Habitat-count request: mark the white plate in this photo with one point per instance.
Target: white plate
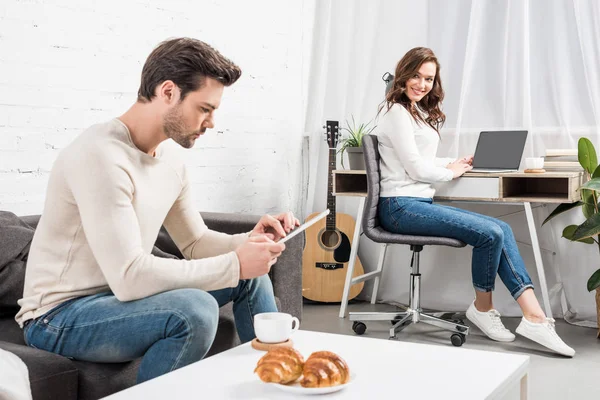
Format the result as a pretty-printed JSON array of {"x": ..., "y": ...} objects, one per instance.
[{"x": 298, "y": 389}]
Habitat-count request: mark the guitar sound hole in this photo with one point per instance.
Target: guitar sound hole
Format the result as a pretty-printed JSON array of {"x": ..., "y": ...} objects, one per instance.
[{"x": 330, "y": 239}]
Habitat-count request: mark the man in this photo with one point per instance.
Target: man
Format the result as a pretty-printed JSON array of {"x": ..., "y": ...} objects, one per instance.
[{"x": 93, "y": 291}]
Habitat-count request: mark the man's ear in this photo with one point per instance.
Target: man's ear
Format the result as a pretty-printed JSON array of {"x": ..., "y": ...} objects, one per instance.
[{"x": 168, "y": 92}]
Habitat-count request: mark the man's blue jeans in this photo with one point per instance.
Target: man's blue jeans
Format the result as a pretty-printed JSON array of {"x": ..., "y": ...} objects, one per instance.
[
  {"x": 169, "y": 330},
  {"x": 495, "y": 250}
]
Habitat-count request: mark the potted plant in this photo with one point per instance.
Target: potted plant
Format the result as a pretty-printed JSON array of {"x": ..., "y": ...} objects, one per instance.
[
  {"x": 352, "y": 144},
  {"x": 589, "y": 231}
]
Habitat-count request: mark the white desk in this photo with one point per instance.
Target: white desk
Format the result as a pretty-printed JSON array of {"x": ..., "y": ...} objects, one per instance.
[
  {"x": 502, "y": 188},
  {"x": 380, "y": 368}
]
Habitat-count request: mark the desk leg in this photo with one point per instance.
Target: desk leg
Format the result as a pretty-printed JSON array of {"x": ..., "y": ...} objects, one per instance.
[
  {"x": 524, "y": 387},
  {"x": 537, "y": 254},
  {"x": 353, "y": 255}
]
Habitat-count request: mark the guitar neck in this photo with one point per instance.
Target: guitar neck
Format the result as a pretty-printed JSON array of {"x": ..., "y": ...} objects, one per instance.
[{"x": 330, "y": 223}]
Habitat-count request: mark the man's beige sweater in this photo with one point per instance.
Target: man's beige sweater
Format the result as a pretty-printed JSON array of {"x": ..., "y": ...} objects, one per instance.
[{"x": 105, "y": 204}]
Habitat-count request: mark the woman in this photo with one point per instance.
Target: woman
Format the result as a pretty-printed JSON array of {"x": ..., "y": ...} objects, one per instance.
[{"x": 408, "y": 130}]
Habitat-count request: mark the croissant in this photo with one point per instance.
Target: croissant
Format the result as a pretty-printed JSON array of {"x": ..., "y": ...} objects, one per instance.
[
  {"x": 280, "y": 365},
  {"x": 324, "y": 368}
]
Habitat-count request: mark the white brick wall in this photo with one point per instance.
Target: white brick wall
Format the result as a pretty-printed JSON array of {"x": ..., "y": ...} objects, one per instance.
[{"x": 66, "y": 64}]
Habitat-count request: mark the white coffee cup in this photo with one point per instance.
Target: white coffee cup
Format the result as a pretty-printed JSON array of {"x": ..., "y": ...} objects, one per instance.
[
  {"x": 534, "y": 162},
  {"x": 275, "y": 327}
]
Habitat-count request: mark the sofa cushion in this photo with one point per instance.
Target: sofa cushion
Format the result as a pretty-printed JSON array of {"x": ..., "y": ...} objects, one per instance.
[
  {"x": 52, "y": 377},
  {"x": 15, "y": 239},
  {"x": 93, "y": 380},
  {"x": 97, "y": 380},
  {"x": 10, "y": 331}
]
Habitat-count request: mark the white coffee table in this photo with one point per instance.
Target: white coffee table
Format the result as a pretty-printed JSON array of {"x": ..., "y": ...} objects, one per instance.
[{"x": 380, "y": 368}]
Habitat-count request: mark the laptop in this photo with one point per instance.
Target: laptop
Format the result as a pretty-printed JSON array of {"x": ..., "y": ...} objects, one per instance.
[{"x": 499, "y": 151}]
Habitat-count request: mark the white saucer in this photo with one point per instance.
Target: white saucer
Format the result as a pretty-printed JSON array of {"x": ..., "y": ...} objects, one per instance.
[{"x": 298, "y": 389}]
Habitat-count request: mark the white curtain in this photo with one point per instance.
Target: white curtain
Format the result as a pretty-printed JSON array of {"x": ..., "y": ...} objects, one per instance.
[
  {"x": 506, "y": 64},
  {"x": 346, "y": 63}
]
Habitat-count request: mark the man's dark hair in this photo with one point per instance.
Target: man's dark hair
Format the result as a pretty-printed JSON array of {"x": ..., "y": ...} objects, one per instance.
[{"x": 187, "y": 62}]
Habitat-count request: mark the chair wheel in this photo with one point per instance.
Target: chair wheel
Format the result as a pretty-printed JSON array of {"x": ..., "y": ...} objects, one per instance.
[
  {"x": 359, "y": 327},
  {"x": 458, "y": 339}
]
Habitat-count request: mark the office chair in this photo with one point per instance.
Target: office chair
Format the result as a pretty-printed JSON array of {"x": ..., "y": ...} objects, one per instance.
[
  {"x": 372, "y": 229},
  {"x": 389, "y": 81}
]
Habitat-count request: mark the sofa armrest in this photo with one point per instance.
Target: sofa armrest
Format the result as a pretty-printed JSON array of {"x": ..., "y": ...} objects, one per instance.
[{"x": 286, "y": 274}]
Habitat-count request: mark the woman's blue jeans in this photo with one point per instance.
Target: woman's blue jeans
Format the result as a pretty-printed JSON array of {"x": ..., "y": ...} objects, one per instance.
[
  {"x": 169, "y": 330},
  {"x": 495, "y": 250}
]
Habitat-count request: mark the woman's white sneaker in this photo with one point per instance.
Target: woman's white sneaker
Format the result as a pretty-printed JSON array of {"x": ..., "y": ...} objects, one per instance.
[
  {"x": 490, "y": 323},
  {"x": 545, "y": 334}
]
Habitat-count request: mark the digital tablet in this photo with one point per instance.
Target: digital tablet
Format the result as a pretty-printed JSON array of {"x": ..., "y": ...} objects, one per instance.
[{"x": 304, "y": 226}]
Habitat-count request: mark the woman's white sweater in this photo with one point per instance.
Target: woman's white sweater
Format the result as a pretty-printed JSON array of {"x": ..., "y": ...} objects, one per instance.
[{"x": 408, "y": 150}]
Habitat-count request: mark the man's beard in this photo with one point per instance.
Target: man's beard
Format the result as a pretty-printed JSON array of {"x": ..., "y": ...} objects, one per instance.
[{"x": 176, "y": 129}]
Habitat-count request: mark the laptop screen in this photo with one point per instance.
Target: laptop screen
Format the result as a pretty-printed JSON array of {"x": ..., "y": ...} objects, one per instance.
[{"x": 499, "y": 149}]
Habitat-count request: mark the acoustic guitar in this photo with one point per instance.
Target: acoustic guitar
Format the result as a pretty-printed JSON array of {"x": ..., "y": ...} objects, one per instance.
[{"x": 327, "y": 252}]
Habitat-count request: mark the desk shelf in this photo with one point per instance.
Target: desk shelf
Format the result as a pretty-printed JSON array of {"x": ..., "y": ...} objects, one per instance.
[
  {"x": 545, "y": 189},
  {"x": 350, "y": 182}
]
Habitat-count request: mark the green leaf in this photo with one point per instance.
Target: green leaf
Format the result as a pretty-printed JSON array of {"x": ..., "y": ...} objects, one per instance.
[
  {"x": 570, "y": 230},
  {"x": 356, "y": 132},
  {"x": 561, "y": 209},
  {"x": 587, "y": 196},
  {"x": 596, "y": 173},
  {"x": 594, "y": 282},
  {"x": 588, "y": 210},
  {"x": 591, "y": 227},
  {"x": 592, "y": 184},
  {"x": 589, "y": 206},
  {"x": 586, "y": 154}
]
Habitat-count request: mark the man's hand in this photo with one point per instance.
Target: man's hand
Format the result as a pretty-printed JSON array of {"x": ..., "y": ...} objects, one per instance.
[
  {"x": 275, "y": 226},
  {"x": 257, "y": 254}
]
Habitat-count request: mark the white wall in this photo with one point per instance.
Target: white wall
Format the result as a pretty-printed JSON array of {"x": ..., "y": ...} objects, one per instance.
[{"x": 65, "y": 65}]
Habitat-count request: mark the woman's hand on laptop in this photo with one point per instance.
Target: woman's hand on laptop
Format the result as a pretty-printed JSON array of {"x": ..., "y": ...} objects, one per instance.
[
  {"x": 467, "y": 160},
  {"x": 459, "y": 167}
]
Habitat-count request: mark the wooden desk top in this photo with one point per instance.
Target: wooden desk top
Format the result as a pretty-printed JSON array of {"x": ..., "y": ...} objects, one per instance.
[
  {"x": 521, "y": 174},
  {"x": 507, "y": 187},
  {"x": 518, "y": 174}
]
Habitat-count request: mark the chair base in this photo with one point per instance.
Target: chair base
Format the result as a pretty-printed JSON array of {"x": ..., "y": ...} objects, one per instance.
[
  {"x": 414, "y": 313},
  {"x": 402, "y": 319}
]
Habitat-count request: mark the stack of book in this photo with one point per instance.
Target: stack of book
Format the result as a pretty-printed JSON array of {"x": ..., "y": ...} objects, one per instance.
[{"x": 561, "y": 160}]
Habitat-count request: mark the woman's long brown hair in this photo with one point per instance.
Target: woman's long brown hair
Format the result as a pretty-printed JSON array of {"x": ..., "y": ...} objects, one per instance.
[{"x": 408, "y": 67}]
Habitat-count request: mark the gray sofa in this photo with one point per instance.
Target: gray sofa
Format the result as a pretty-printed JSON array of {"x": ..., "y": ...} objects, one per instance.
[{"x": 56, "y": 377}]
